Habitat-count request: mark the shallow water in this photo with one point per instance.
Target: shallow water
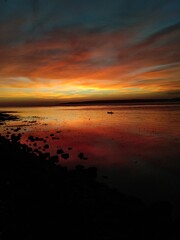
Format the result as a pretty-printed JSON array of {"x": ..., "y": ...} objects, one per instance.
[{"x": 137, "y": 147}]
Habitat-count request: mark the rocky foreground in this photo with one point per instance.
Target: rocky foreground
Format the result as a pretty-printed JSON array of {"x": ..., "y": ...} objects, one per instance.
[{"x": 42, "y": 200}]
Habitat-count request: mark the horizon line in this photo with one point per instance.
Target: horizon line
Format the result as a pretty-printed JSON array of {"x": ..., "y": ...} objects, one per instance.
[{"x": 90, "y": 102}]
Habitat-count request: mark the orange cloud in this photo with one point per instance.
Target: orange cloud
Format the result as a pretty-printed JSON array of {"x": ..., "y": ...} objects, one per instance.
[{"x": 73, "y": 64}]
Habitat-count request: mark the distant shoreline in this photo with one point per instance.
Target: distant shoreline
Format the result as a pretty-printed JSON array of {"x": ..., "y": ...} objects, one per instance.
[{"x": 95, "y": 103}]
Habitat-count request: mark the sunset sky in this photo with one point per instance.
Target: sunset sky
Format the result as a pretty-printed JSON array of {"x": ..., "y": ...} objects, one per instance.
[{"x": 77, "y": 50}]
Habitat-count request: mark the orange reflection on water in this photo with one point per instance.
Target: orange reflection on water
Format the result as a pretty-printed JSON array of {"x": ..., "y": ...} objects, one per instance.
[
  {"x": 132, "y": 132},
  {"x": 137, "y": 146}
]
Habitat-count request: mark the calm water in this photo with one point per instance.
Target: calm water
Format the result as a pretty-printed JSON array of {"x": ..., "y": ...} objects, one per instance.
[{"x": 137, "y": 147}]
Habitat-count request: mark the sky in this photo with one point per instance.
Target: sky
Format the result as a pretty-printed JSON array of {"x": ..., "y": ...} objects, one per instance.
[{"x": 79, "y": 50}]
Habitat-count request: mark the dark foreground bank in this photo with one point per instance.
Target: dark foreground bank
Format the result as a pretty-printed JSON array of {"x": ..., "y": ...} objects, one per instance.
[{"x": 42, "y": 200}]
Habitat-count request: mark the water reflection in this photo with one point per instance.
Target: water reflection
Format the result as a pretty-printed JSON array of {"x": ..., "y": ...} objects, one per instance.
[{"x": 137, "y": 147}]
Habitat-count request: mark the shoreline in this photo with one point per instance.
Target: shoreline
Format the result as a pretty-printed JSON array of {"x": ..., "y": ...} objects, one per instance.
[
  {"x": 94, "y": 103},
  {"x": 39, "y": 196}
]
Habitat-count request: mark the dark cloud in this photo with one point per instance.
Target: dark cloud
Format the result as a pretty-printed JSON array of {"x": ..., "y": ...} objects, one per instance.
[
  {"x": 40, "y": 17},
  {"x": 35, "y": 4},
  {"x": 163, "y": 33}
]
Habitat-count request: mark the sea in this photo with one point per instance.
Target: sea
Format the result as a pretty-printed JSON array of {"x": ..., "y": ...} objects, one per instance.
[{"x": 136, "y": 148}]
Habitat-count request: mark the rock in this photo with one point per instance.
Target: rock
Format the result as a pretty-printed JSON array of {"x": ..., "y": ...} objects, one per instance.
[
  {"x": 60, "y": 151},
  {"x": 46, "y": 146},
  {"x": 81, "y": 155},
  {"x": 65, "y": 155}
]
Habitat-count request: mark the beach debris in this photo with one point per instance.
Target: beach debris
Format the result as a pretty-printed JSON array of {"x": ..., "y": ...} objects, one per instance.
[{"x": 110, "y": 112}]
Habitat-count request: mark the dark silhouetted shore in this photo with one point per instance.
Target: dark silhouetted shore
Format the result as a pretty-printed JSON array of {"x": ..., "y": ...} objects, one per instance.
[{"x": 40, "y": 199}]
